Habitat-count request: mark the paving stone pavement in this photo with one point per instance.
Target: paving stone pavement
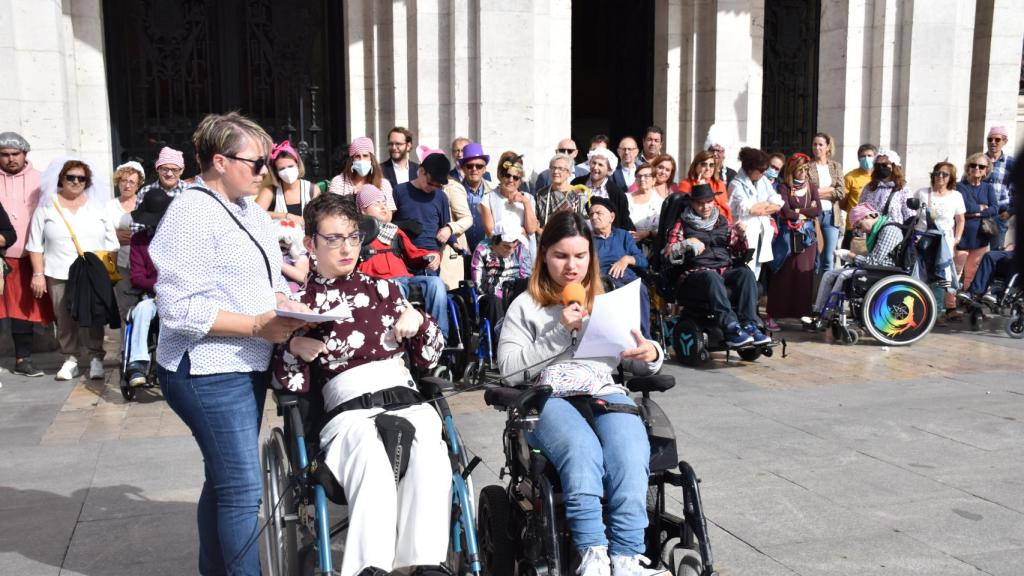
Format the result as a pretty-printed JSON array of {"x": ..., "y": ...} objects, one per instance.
[{"x": 832, "y": 461}]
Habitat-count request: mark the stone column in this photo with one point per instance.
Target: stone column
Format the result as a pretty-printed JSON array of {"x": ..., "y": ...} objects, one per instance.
[
  {"x": 896, "y": 74},
  {"x": 708, "y": 70},
  {"x": 498, "y": 73},
  {"x": 55, "y": 81},
  {"x": 995, "y": 76}
]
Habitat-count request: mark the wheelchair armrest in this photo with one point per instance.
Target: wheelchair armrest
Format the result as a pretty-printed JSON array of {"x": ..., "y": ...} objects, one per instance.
[
  {"x": 885, "y": 269},
  {"x": 286, "y": 399},
  {"x": 432, "y": 387},
  {"x": 653, "y": 383},
  {"x": 522, "y": 399}
]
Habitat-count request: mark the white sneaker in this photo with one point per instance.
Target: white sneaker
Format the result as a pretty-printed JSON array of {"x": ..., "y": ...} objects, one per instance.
[
  {"x": 594, "y": 562},
  {"x": 96, "y": 371},
  {"x": 68, "y": 370},
  {"x": 631, "y": 566}
]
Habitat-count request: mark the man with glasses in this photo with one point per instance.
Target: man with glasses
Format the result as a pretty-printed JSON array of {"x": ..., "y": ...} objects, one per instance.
[
  {"x": 565, "y": 146},
  {"x": 999, "y": 178},
  {"x": 399, "y": 169},
  {"x": 625, "y": 174},
  {"x": 854, "y": 181},
  {"x": 19, "y": 195},
  {"x": 474, "y": 169},
  {"x": 169, "y": 166}
]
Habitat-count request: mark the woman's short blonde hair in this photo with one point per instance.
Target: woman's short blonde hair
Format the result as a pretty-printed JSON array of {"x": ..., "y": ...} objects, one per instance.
[
  {"x": 126, "y": 171},
  {"x": 227, "y": 134}
]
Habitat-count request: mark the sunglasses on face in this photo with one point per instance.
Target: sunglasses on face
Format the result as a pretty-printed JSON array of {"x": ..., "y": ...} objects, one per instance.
[
  {"x": 996, "y": 139},
  {"x": 75, "y": 179},
  {"x": 710, "y": 164},
  {"x": 978, "y": 166},
  {"x": 566, "y": 150},
  {"x": 257, "y": 163},
  {"x": 474, "y": 166},
  {"x": 334, "y": 240},
  {"x": 513, "y": 177},
  {"x": 940, "y": 174}
]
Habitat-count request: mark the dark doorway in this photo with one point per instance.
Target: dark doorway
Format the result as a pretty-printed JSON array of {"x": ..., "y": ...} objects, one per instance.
[
  {"x": 170, "y": 62},
  {"x": 789, "y": 107},
  {"x": 612, "y": 69}
]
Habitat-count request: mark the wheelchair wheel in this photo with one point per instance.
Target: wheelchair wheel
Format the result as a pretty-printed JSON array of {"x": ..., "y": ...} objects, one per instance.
[
  {"x": 899, "y": 310},
  {"x": 1015, "y": 325},
  {"x": 688, "y": 343},
  {"x": 443, "y": 372},
  {"x": 497, "y": 550},
  {"x": 127, "y": 391},
  {"x": 750, "y": 354},
  {"x": 846, "y": 335},
  {"x": 684, "y": 561},
  {"x": 279, "y": 502}
]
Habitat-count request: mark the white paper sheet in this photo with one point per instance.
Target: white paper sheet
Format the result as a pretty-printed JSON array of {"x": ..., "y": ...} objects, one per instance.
[
  {"x": 338, "y": 314},
  {"x": 607, "y": 332}
]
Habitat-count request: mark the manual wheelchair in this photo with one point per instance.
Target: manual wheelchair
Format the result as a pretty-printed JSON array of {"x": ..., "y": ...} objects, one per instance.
[
  {"x": 297, "y": 486},
  {"x": 1006, "y": 297},
  {"x": 889, "y": 302},
  {"x": 522, "y": 526},
  {"x": 127, "y": 389}
]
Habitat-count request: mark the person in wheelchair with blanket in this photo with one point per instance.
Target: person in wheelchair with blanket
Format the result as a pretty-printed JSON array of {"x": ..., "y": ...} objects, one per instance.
[
  {"x": 356, "y": 363},
  {"x": 588, "y": 428},
  {"x": 702, "y": 246},
  {"x": 883, "y": 239}
]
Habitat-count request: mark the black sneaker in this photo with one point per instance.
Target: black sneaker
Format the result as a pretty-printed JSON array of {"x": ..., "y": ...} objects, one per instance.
[
  {"x": 136, "y": 373},
  {"x": 26, "y": 368}
]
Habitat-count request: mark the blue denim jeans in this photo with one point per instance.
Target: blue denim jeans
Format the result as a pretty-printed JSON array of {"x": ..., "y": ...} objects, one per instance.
[
  {"x": 435, "y": 294},
  {"x": 142, "y": 317},
  {"x": 830, "y": 235},
  {"x": 616, "y": 464},
  {"x": 223, "y": 411}
]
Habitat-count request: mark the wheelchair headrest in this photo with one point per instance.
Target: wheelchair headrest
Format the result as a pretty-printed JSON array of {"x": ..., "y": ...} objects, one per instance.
[
  {"x": 369, "y": 226},
  {"x": 914, "y": 203}
]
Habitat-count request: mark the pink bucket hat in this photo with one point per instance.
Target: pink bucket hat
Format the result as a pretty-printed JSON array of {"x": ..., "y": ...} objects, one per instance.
[
  {"x": 860, "y": 212},
  {"x": 360, "y": 145},
  {"x": 368, "y": 194},
  {"x": 170, "y": 156}
]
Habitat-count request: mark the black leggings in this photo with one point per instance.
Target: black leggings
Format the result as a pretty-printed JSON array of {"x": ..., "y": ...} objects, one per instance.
[{"x": 21, "y": 332}]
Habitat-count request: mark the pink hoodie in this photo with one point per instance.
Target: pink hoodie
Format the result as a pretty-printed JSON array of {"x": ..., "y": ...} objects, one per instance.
[{"x": 19, "y": 195}]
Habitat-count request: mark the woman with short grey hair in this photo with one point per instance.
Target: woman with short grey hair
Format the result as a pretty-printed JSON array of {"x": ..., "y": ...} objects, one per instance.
[
  {"x": 560, "y": 194},
  {"x": 218, "y": 284}
]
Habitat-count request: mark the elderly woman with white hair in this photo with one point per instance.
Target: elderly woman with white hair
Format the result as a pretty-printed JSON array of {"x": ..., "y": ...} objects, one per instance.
[
  {"x": 602, "y": 163},
  {"x": 71, "y": 219}
]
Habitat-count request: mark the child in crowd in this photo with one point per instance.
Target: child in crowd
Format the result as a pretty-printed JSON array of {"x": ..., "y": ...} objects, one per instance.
[
  {"x": 360, "y": 372},
  {"x": 391, "y": 254}
]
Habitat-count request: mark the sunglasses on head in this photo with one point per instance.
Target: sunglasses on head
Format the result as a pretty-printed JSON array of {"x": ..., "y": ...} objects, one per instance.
[
  {"x": 257, "y": 163},
  {"x": 73, "y": 178}
]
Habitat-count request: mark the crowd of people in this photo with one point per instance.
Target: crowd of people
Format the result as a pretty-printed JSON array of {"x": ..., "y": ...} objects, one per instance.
[{"x": 199, "y": 248}]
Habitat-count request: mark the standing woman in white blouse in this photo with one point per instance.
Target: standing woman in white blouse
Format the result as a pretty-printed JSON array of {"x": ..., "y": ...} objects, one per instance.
[
  {"x": 827, "y": 176},
  {"x": 218, "y": 283},
  {"x": 70, "y": 208}
]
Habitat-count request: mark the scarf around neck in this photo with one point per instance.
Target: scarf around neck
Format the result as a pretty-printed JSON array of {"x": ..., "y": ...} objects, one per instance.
[
  {"x": 696, "y": 221},
  {"x": 873, "y": 235}
]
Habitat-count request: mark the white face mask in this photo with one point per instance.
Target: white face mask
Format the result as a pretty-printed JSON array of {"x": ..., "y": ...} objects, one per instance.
[
  {"x": 362, "y": 167},
  {"x": 288, "y": 175}
]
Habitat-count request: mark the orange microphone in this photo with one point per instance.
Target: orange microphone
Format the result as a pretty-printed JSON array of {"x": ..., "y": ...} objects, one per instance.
[{"x": 574, "y": 293}]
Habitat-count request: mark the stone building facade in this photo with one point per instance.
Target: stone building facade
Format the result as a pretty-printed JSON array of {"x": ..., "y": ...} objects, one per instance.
[{"x": 925, "y": 77}]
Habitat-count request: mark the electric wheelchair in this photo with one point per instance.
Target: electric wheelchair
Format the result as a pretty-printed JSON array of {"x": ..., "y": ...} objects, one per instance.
[
  {"x": 1005, "y": 298},
  {"x": 522, "y": 526},
  {"x": 124, "y": 377},
  {"x": 891, "y": 303},
  {"x": 695, "y": 332},
  {"x": 298, "y": 486}
]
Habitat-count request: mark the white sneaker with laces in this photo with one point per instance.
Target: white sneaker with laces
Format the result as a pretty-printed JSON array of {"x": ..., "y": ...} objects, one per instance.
[
  {"x": 634, "y": 566},
  {"x": 68, "y": 370},
  {"x": 96, "y": 371},
  {"x": 594, "y": 562}
]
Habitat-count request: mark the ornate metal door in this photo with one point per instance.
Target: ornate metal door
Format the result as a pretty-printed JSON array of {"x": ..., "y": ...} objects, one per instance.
[
  {"x": 170, "y": 62},
  {"x": 789, "y": 105}
]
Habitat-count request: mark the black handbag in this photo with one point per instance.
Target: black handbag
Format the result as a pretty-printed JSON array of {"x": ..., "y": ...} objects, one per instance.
[{"x": 989, "y": 228}]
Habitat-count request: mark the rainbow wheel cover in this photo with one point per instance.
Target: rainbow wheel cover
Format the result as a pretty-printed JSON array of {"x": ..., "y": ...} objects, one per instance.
[{"x": 899, "y": 310}]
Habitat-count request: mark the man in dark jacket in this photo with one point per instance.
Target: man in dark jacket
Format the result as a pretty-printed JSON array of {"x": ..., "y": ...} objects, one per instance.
[
  {"x": 701, "y": 238},
  {"x": 399, "y": 169}
]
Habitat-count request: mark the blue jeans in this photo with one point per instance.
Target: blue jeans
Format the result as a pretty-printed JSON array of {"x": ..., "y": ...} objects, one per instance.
[
  {"x": 223, "y": 411},
  {"x": 830, "y": 235},
  {"x": 435, "y": 296},
  {"x": 987, "y": 269},
  {"x": 142, "y": 317},
  {"x": 617, "y": 464}
]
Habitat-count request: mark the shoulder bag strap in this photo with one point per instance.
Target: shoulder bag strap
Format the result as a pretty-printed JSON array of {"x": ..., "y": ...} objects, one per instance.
[
  {"x": 266, "y": 261},
  {"x": 68, "y": 224}
]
